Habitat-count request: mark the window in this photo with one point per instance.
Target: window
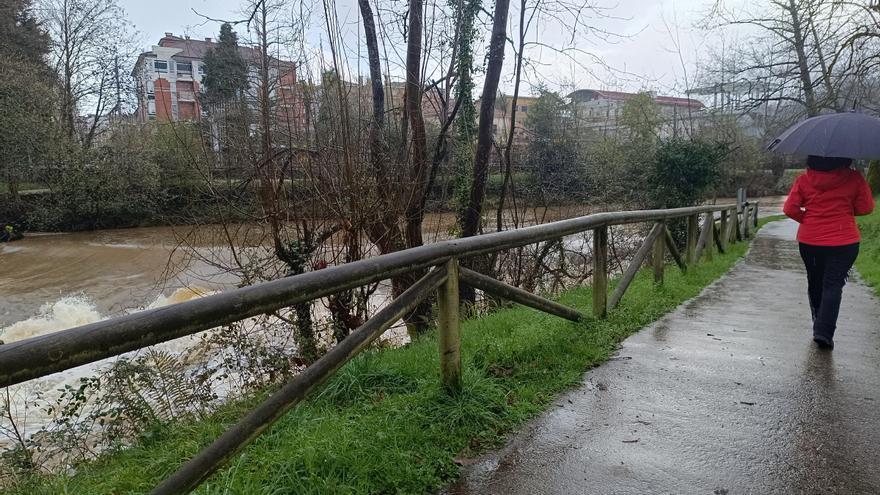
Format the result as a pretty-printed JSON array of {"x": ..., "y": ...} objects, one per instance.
[
  {"x": 151, "y": 107},
  {"x": 160, "y": 65},
  {"x": 151, "y": 87},
  {"x": 524, "y": 108},
  {"x": 185, "y": 67},
  {"x": 201, "y": 68}
]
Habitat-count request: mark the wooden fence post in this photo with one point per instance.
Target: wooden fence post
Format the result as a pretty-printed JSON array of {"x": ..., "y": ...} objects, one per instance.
[
  {"x": 693, "y": 235},
  {"x": 448, "y": 324},
  {"x": 746, "y": 220},
  {"x": 600, "y": 272},
  {"x": 734, "y": 225},
  {"x": 739, "y": 215},
  {"x": 709, "y": 223},
  {"x": 657, "y": 257},
  {"x": 723, "y": 235}
]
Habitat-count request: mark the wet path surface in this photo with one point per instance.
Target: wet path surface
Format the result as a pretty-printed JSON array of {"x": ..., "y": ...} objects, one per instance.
[{"x": 726, "y": 395}]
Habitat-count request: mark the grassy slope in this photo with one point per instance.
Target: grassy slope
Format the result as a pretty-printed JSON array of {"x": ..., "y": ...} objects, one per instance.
[
  {"x": 383, "y": 426},
  {"x": 868, "y": 263}
]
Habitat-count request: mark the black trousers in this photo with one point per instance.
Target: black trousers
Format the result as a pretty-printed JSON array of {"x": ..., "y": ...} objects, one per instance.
[{"x": 827, "y": 270}]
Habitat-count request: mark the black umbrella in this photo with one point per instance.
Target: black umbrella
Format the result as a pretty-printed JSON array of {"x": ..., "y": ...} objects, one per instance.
[{"x": 844, "y": 135}]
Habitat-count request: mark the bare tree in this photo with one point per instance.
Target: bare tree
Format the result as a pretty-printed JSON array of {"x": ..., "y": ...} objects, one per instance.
[
  {"x": 801, "y": 53},
  {"x": 89, "y": 39}
]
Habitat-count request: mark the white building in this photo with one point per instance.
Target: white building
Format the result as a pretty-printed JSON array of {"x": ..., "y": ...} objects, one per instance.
[{"x": 601, "y": 111}]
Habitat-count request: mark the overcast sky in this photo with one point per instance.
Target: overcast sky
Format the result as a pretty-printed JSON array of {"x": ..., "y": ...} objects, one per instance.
[{"x": 647, "y": 58}]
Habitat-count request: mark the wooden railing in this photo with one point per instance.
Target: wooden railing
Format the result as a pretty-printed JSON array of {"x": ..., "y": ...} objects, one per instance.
[{"x": 39, "y": 356}]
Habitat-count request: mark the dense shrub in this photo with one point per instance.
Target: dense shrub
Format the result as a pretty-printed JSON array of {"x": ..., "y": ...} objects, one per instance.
[
  {"x": 874, "y": 176},
  {"x": 684, "y": 172}
]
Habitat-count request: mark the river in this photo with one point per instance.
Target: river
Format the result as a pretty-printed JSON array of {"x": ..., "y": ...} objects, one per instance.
[{"x": 50, "y": 282}]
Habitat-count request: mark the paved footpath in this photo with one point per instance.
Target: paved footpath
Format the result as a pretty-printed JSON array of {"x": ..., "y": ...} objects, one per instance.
[{"x": 726, "y": 395}]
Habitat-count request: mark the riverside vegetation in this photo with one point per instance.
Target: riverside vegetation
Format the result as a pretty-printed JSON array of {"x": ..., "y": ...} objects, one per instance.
[
  {"x": 868, "y": 263},
  {"x": 383, "y": 423}
]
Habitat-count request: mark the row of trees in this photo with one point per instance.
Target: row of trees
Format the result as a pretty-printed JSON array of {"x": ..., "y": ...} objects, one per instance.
[{"x": 797, "y": 58}]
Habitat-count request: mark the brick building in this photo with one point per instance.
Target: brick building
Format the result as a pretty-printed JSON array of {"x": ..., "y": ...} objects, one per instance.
[{"x": 169, "y": 76}]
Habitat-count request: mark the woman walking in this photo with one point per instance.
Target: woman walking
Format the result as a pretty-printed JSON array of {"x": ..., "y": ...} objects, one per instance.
[{"x": 825, "y": 201}]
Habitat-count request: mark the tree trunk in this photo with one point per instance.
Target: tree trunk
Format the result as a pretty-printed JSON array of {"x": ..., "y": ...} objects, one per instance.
[
  {"x": 417, "y": 321},
  {"x": 517, "y": 77},
  {"x": 472, "y": 214},
  {"x": 802, "y": 62},
  {"x": 377, "y": 125}
]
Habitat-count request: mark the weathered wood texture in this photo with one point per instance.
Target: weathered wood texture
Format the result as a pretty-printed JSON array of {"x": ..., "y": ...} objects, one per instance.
[
  {"x": 635, "y": 266},
  {"x": 247, "y": 429},
  {"x": 693, "y": 235},
  {"x": 600, "y": 272},
  {"x": 709, "y": 225},
  {"x": 673, "y": 250},
  {"x": 448, "y": 324},
  {"x": 724, "y": 235},
  {"x": 716, "y": 234},
  {"x": 515, "y": 294},
  {"x": 702, "y": 242},
  {"x": 746, "y": 220},
  {"x": 658, "y": 256}
]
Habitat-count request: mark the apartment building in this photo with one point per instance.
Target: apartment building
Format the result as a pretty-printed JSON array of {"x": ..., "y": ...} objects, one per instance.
[
  {"x": 169, "y": 78},
  {"x": 601, "y": 110}
]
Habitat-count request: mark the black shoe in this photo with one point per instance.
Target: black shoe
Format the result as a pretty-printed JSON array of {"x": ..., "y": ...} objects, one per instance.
[{"x": 822, "y": 342}]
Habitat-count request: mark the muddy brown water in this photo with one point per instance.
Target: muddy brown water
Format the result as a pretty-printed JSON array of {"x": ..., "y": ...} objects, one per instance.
[{"x": 49, "y": 282}]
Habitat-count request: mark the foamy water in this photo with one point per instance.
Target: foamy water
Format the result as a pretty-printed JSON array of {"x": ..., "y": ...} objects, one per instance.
[
  {"x": 73, "y": 311},
  {"x": 67, "y": 312}
]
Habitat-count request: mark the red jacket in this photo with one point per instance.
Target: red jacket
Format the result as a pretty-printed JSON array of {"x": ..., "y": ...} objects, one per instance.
[{"x": 826, "y": 203}]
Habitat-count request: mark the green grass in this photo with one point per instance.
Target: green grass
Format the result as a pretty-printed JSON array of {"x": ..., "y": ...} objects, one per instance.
[
  {"x": 382, "y": 424},
  {"x": 868, "y": 262}
]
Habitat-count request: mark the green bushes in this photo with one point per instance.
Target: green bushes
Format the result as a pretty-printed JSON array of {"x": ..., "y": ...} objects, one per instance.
[
  {"x": 874, "y": 176},
  {"x": 868, "y": 263},
  {"x": 684, "y": 172}
]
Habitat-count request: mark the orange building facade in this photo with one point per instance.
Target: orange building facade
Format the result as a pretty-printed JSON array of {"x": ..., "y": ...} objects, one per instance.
[{"x": 169, "y": 78}]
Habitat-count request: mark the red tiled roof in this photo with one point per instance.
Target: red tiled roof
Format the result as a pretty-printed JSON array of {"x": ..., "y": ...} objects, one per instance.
[
  {"x": 197, "y": 49},
  {"x": 660, "y": 100},
  {"x": 674, "y": 100}
]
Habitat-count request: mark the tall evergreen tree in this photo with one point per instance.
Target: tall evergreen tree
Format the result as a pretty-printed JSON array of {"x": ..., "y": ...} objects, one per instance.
[
  {"x": 226, "y": 73},
  {"x": 20, "y": 32},
  {"x": 28, "y": 93}
]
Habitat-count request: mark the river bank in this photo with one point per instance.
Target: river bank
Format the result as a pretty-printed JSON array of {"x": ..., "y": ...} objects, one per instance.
[{"x": 382, "y": 424}]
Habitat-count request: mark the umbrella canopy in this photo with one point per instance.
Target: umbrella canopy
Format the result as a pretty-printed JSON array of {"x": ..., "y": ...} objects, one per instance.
[{"x": 844, "y": 135}]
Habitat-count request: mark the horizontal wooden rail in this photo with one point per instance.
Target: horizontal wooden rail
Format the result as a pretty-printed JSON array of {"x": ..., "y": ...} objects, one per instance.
[{"x": 39, "y": 356}]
